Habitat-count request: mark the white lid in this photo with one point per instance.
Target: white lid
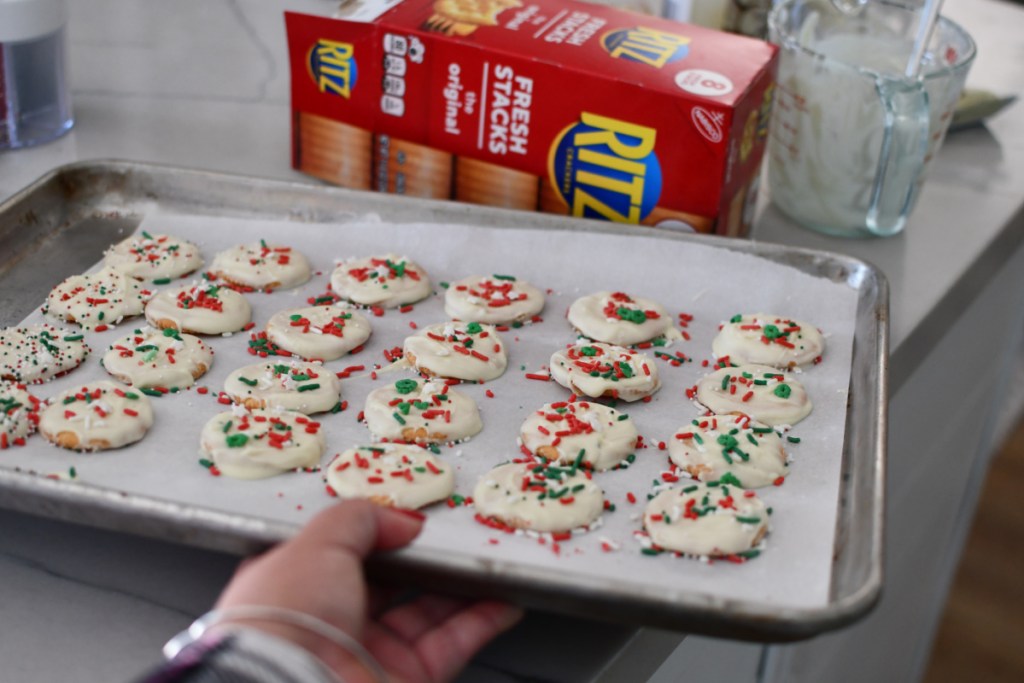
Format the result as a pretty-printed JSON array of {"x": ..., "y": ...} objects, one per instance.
[{"x": 30, "y": 19}]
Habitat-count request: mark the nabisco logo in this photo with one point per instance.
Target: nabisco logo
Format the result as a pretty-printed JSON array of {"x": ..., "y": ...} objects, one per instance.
[{"x": 708, "y": 123}]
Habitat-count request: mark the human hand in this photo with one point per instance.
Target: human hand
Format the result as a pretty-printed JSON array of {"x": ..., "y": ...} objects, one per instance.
[{"x": 320, "y": 572}]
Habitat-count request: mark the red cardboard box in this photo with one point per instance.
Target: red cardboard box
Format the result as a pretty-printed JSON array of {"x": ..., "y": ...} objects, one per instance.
[{"x": 548, "y": 105}]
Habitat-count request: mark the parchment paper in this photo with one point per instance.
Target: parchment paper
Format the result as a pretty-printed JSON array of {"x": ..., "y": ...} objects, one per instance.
[{"x": 710, "y": 283}]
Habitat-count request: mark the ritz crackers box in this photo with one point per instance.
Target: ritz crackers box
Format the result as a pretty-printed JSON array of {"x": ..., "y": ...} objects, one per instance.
[{"x": 548, "y": 105}]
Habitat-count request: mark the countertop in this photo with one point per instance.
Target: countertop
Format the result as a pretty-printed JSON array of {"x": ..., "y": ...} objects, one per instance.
[{"x": 204, "y": 84}]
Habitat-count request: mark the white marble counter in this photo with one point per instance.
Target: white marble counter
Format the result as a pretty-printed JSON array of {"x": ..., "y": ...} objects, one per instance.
[{"x": 204, "y": 84}]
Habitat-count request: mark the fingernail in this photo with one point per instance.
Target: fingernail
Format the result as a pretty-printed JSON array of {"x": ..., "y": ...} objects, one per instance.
[{"x": 415, "y": 514}]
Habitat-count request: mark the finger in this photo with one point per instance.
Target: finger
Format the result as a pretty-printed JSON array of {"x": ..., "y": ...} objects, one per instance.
[
  {"x": 359, "y": 527},
  {"x": 445, "y": 650},
  {"x": 411, "y": 620}
]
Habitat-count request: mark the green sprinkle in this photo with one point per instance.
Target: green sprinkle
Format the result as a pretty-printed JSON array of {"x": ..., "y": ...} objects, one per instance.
[
  {"x": 748, "y": 520},
  {"x": 398, "y": 418},
  {"x": 771, "y": 332},
  {"x": 727, "y": 441},
  {"x": 761, "y": 430},
  {"x": 473, "y": 328},
  {"x": 336, "y": 409},
  {"x": 74, "y": 337},
  {"x": 738, "y": 318},
  {"x": 308, "y": 387},
  {"x": 101, "y": 315},
  {"x": 131, "y": 396},
  {"x": 406, "y": 386},
  {"x": 504, "y": 277},
  {"x": 162, "y": 281},
  {"x": 588, "y": 350},
  {"x": 227, "y": 426},
  {"x": 404, "y": 408},
  {"x": 725, "y": 382},
  {"x": 295, "y": 318},
  {"x": 793, "y": 439},
  {"x": 237, "y": 440},
  {"x": 150, "y": 392},
  {"x": 650, "y": 551},
  {"x": 635, "y": 316},
  {"x": 751, "y": 439},
  {"x": 730, "y": 478},
  {"x": 302, "y": 377},
  {"x": 249, "y": 382},
  {"x": 782, "y": 391},
  {"x": 690, "y": 489},
  {"x": 444, "y": 285},
  {"x": 620, "y": 418},
  {"x": 172, "y": 333}
]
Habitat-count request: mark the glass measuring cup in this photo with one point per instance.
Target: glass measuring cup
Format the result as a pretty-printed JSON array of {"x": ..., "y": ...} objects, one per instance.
[{"x": 851, "y": 136}]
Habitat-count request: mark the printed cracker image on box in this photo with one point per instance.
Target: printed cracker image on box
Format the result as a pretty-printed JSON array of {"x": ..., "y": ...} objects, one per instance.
[
  {"x": 555, "y": 105},
  {"x": 403, "y": 167},
  {"x": 333, "y": 151}
]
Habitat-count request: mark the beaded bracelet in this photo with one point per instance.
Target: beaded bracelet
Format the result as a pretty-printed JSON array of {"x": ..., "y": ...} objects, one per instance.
[{"x": 305, "y": 621}]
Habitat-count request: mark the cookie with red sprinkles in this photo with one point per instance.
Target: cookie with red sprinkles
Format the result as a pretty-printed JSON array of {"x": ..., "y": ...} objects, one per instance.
[
  {"x": 421, "y": 411},
  {"x": 36, "y": 353},
  {"x": 397, "y": 475},
  {"x": 494, "y": 299},
  {"x": 579, "y": 433},
  {"x": 455, "y": 350},
  {"x": 157, "y": 258},
  {"x": 388, "y": 281},
  {"x": 619, "y": 318},
  {"x": 158, "y": 358},
  {"x": 764, "y": 393},
  {"x": 19, "y": 414},
  {"x": 763, "y": 339},
  {"x": 97, "y": 300},
  {"x": 538, "y": 497},
  {"x": 199, "y": 308},
  {"x": 261, "y": 443},
  {"x": 599, "y": 370},
  {"x": 318, "y": 332},
  {"x": 96, "y": 416},
  {"x": 710, "y": 446},
  {"x": 715, "y": 519},
  {"x": 261, "y": 266}
]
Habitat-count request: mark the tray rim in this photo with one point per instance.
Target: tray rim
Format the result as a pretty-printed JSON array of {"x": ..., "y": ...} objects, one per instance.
[{"x": 217, "y": 530}]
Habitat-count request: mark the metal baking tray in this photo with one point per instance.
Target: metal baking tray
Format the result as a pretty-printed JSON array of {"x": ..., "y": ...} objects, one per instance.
[{"x": 61, "y": 224}]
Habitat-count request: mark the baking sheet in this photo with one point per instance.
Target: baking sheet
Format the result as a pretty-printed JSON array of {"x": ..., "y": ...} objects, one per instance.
[{"x": 710, "y": 283}]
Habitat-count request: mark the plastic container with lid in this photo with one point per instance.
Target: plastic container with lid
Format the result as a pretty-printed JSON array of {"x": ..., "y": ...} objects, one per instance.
[{"x": 35, "y": 105}]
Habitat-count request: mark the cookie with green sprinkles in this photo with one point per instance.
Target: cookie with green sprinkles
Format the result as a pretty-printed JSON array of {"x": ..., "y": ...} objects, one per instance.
[
  {"x": 763, "y": 339},
  {"x": 158, "y": 258},
  {"x": 150, "y": 358},
  {"x": 395, "y": 475},
  {"x": 199, "y": 308},
  {"x": 261, "y": 443},
  {"x": 318, "y": 332},
  {"x": 19, "y": 414},
  {"x": 96, "y": 416},
  {"x": 711, "y": 446},
  {"x": 579, "y": 433},
  {"x": 618, "y": 318},
  {"x": 304, "y": 386},
  {"x": 765, "y": 394},
  {"x": 456, "y": 350},
  {"x": 710, "y": 519},
  {"x": 97, "y": 300},
  {"x": 494, "y": 299},
  {"x": 31, "y": 354},
  {"x": 538, "y": 497},
  {"x": 421, "y": 411},
  {"x": 261, "y": 266},
  {"x": 600, "y": 370},
  {"x": 388, "y": 281}
]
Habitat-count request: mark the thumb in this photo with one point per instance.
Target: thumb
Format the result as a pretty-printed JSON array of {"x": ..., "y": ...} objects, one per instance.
[{"x": 359, "y": 527}]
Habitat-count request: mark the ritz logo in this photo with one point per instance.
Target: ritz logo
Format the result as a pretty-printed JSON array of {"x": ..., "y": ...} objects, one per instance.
[
  {"x": 607, "y": 169},
  {"x": 333, "y": 67},
  {"x": 646, "y": 45}
]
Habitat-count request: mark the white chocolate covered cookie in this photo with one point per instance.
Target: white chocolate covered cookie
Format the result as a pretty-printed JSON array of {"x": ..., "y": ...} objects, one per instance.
[
  {"x": 493, "y": 299},
  {"x": 421, "y": 411},
  {"x": 579, "y": 432},
  {"x": 538, "y": 497},
  {"x": 389, "y": 281},
  {"x": 618, "y": 318},
  {"x": 153, "y": 257},
  {"x": 706, "y": 519},
  {"x": 398, "y": 475},
  {"x": 36, "y": 353},
  {"x": 199, "y": 308},
  {"x": 261, "y": 443},
  {"x": 605, "y": 370},
  {"x": 763, "y": 339},
  {"x": 19, "y": 414},
  {"x": 765, "y": 394},
  {"x": 318, "y": 332},
  {"x": 97, "y": 416},
  {"x": 158, "y": 358},
  {"x": 467, "y": 351},
  {"x": 97, "y": 300},
  {"x": 713, "y": 445},
  {"x": 303, "y": 386},
  {"x": 261, "y": 266}
]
